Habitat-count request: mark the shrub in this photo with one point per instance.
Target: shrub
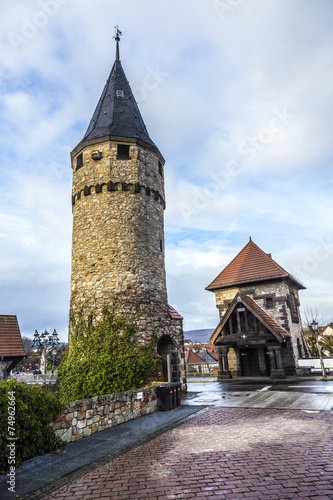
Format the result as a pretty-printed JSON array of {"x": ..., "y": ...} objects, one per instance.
[
  {"x": 104, "y": 358},
  {"x": 34, "y": 408}
]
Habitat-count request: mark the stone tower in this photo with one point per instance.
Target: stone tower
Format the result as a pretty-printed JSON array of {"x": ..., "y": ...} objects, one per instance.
[{"x": 118, "y": 221}]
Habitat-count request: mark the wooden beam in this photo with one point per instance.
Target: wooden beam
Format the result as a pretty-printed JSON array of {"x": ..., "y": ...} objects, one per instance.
[
  {"x": 246, "y": 322},
  {"x": 238, "y": 321},
  {"x": 231, "y": 331}
]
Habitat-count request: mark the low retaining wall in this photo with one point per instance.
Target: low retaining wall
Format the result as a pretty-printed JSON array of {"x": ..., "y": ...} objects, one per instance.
[
  {"x": 82, "y": 418},
  {"x": 309, "y": 366}
]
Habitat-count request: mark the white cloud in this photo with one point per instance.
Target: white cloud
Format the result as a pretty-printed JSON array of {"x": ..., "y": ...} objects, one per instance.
[{"x": 224, "y": 77}]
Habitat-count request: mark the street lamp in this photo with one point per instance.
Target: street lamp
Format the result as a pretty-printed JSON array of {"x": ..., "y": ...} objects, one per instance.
[
  {"x": 53, "y": 356},
  {"x": 45, "y": 342},
  {"x": 314, "y": 326}
]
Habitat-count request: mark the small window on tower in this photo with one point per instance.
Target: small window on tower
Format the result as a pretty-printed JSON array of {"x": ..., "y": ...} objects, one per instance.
[
  {"x": 123, "y": 152},
  {"x": 120, "y": 94},
  {"x": 269, "y": 303},
  {"x": 79, "y": 161},
  {"x": 161, "y": 245},
  {"x": 160, "y": 168},
  {"x": 293, "y": 303}
]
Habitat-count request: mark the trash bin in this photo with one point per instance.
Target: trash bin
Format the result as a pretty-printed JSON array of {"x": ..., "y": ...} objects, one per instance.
[
  {"x": 166, "y": 397},
  {"x": 174, "y": 395},
  {"x": 179, "y": 399},
  {"x": 176, "y": 390}
]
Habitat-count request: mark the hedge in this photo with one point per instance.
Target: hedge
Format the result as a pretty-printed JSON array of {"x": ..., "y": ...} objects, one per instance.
[{"x": 25, "y": 413}]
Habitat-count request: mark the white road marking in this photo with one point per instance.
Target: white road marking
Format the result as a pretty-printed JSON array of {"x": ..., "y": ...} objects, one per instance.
[
  {"x": 327, "y": 388},
  {"x": 265, "y": 388}
]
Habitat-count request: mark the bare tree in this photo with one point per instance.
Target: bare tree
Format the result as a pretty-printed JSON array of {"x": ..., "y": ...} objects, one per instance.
[{"x": 325, "y": 342}]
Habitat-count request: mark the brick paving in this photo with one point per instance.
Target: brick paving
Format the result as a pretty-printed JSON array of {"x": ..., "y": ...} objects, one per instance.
[{"x": 226, "y": 453}]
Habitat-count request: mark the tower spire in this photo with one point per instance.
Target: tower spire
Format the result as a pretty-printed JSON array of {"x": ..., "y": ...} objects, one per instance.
[{"x": 117, "y": 36}]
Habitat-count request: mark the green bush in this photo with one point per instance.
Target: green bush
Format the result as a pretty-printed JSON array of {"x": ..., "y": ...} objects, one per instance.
[
  {"x": 25, "y": 413},
  {"x": 104, "y": 358}
]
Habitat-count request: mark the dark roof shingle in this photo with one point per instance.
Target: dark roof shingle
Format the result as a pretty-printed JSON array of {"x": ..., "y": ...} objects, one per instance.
[
  {"x": 10, "y": 336},
  {"x": 117, "y": 116}
]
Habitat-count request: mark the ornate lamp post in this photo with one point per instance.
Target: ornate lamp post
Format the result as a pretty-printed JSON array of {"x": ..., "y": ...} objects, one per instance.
[
  {"x": 53, "y": 358},
  {"x": 314, "y": 326},
  {"x": 45, "y": 343}
]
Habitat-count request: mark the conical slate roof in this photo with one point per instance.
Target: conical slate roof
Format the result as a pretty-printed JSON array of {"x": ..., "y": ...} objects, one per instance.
[
  {"x": 249, "y": 266},
  {"x": 117, "y": 113}
]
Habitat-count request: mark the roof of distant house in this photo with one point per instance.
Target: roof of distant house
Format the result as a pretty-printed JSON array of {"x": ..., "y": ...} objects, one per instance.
[
  {"x": 10, "y": 337},
  {"x": 326, "y": 330},
  {"x": 251, "y": 265},
  {"x": 199, "y": 346},
  {"x": 191, "y": 357},
  {"x": 208, "y": 355}
]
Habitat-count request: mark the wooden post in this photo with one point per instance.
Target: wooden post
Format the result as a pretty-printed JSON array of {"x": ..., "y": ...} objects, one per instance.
[
  {"x": 169, "y": 368},
  {"x": 238, "y": 322}
]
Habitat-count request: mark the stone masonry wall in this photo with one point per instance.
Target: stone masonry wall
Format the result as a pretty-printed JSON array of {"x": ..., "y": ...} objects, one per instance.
[
  {"x": 177, "y": 336},
  {"x": 118, "y": 234},
  {"x": 83, "y": 418}
]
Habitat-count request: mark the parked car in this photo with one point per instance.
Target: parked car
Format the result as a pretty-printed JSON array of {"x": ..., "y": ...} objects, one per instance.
[{"x": 37, "y": 372}]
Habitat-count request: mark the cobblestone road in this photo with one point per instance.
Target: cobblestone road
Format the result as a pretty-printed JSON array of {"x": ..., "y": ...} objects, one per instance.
[{"x": 227, "y": 453}]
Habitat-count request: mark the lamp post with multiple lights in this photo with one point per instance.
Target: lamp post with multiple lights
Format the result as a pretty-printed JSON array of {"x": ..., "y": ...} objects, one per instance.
[
  {"x": 45, "y": 343},
  {"x": 314, "y": 326}
]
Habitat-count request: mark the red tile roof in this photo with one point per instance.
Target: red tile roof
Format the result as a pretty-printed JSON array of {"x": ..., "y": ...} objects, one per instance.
[
  {"x": 199, "y": 346},
  {"x": 326, "y": 330},
  {"x": 173, "y": 313},
  {"x": 213, "y": 354},
  {"x": 10, "y": 337},
  {"x": 191, "y": 357},
  {"x": 263, "y": 316},
  {"x": 249, "y": 266}
]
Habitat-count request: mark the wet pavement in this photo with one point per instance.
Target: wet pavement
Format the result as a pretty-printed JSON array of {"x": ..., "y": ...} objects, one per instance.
[
  {"x": 294, "y": 394},
  {"x": 228, "y": 453},
  {"x": 241, "y": 384},
  {"x": 252, "y": 439}
]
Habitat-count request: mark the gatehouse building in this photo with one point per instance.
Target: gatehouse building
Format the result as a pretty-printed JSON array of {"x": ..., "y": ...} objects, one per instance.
[{"x": 260, "y": 331}]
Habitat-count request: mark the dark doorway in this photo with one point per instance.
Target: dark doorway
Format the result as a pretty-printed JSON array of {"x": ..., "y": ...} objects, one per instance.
[
  {"x": 249, "y": 362},
  {"x": 166, "y": 348}
]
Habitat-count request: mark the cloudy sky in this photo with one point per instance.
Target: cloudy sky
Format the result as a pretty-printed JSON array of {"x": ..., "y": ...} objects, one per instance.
[{"x": 237, "y": 94}]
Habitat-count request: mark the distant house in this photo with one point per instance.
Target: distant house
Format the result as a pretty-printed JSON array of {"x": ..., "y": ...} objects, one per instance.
[
  {"x": 200, "y": 363},
  {"x": 11, "y": 346},
  {"x": 326, "y": 331},
  {"x": 260, "y": 330},
  {"x": 206, "y": 356}
]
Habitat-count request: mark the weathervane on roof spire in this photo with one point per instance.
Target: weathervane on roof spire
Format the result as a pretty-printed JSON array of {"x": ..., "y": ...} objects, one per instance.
[{"x": 117, "y": 36}]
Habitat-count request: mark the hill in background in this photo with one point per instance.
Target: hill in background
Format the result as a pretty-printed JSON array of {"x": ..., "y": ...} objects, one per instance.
[{"x": 199, "y": 335}]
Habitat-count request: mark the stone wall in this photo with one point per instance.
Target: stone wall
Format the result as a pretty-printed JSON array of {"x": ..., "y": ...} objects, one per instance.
[
  {"x": 118, "y": 235},
  {"x": 83, "y": 418},
  {"x": 176, "y": 334}
]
